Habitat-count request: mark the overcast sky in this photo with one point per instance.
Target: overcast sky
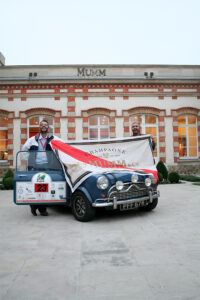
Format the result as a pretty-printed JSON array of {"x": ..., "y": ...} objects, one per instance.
[{"x": 48, "y": 32}]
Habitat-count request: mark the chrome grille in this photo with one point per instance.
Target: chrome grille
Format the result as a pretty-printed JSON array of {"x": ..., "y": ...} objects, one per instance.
[{"x": 130, "y": 190}]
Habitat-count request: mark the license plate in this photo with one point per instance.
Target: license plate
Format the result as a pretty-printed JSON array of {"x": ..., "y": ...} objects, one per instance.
[
  {"x": 129, "y": 206},
  {"x": 41, "y": 188}
]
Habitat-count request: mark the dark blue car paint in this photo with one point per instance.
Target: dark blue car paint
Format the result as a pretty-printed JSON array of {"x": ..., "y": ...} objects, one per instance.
[{"x": 88, "y": 187}]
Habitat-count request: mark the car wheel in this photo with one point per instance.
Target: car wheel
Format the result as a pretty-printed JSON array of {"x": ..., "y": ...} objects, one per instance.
[
  {"x": 151, "y": 205},
  {"x": 81, "y": 207}
]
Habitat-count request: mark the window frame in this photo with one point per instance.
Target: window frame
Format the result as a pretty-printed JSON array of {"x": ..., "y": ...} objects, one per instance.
[
  {"x": 144, "y": 125},
  {"x": 99, "y": 127},
  {"x": 187, "y": 126},
  {"x": 5, "y": 150}
]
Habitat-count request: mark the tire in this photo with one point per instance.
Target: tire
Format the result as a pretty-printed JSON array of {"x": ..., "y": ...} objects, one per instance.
[
  {"x": 150, "y": 206},
  {"x": 81, "y": 207}
]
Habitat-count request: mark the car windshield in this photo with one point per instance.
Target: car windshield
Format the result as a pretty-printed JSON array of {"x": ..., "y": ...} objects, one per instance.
[{"x": 37, "y": 161}]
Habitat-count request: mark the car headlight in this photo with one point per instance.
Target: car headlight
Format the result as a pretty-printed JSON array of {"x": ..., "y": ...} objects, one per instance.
[
  {"x": 147, "y": 181},
  {"x": 119, "y": 185},
  {"x": 102, "y": 182},
  {"x": 134, "y": 178}
]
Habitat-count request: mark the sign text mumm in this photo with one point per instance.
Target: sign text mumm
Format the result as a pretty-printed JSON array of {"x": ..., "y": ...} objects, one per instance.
[{"x": 84, "y": 72}]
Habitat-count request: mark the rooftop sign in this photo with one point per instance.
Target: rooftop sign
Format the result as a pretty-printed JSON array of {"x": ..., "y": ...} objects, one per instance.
[{"x": 85, "y": 72}]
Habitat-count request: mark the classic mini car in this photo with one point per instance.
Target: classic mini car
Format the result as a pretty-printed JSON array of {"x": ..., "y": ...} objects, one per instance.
[{"x": 124, "y": 189}]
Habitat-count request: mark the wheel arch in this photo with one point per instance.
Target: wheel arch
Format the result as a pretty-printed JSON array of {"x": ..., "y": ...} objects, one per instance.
[{"x": 85, "y": 192}]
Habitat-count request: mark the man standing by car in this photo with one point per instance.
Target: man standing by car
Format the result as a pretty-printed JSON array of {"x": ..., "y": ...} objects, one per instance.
[
  {"x": 136, "y": 130},
  {"x": 39, "y": 160}
]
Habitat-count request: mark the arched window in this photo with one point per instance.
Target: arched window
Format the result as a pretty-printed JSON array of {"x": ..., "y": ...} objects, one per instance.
[
  {"x": 187, "y": 136},
  {"x": 149, "y": 125},
  {"x": 99, "y": 127},
  {"x": 3, "y": 138},
  {"x": 34, "y": 121}
]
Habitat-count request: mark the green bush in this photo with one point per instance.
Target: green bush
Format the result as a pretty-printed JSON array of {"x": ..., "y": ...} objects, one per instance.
[
  {"x": 162, "y": 169},
  {"x": 160, "y": 177},
  {"x": 191, "y": 178},
  {"x": 8, "y": 183},
  {"x": 173, "y": 177},
  {"x": 9, "y": 173},
  {"x": 8, "y": 180}
]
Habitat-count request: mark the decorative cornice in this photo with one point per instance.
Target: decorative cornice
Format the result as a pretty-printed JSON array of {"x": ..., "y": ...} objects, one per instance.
[
  {"x": 99, "y": 94},
  {"x": 107, "y": 80},
  {"x": 185, "y": 110},
  {"x": 38, "y": 110}
]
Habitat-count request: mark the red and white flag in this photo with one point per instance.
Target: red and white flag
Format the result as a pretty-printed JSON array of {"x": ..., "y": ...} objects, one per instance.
[{"x": 82, "y": 159}]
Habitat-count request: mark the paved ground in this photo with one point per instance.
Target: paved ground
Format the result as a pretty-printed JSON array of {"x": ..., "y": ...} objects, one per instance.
[{"x": 134, "y": 255}]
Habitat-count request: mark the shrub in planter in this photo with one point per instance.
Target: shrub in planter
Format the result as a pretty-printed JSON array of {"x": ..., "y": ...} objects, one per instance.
[
  {"x": 9, "y": 173},
  {"x": 162, "y": 169},
  {"x": 8, "y": 180},
  {"x": 8, "y": 183},
  {"x": 174, "y": 177},
  {"x": 160, "y": 177}
]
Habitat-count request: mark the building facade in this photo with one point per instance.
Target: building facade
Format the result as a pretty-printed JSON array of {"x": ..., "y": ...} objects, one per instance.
[{"x": 101, "y": 101}]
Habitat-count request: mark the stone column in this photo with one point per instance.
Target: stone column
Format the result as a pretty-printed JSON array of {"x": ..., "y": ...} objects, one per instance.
[
  {"x": 169, "y": 140},
  {"x": 16, "y": 138}
]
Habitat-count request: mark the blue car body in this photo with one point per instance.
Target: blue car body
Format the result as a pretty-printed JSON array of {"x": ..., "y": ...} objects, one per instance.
[{"x": 119, "y": 189}]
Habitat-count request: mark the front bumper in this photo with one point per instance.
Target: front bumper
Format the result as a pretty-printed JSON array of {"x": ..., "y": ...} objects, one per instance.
[{"x": 114, "y": 202}]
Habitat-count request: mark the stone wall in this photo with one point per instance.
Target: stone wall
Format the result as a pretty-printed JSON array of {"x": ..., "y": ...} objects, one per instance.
[
  {"x": 183, "y": 169},
  {"x": 186, "y": 169}
]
